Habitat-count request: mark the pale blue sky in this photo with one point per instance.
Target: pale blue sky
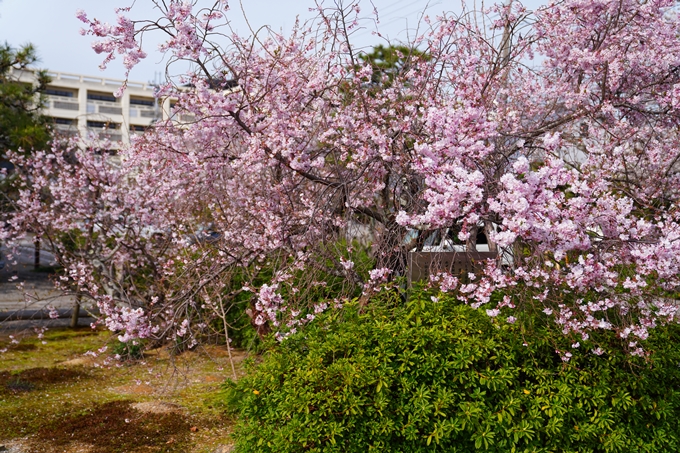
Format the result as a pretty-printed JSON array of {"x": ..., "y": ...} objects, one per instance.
[{"x": 52, "y": 26}]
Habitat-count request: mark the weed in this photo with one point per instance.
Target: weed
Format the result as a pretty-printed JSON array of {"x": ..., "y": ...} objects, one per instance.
[
  {"x": 131, "y": 350},
  {"x": 18, "y": 386}
]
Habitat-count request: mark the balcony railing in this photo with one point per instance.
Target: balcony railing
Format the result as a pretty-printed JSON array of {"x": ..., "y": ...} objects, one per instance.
[
  {"x": 142, "y": 111},
  {"x": 113, "y": 136},
  {"x": 65, "y": 130},
  {"x": 63, "y": 103},
  {"x": 110, "y": 110},
  {"x": 105, "y": 107}
]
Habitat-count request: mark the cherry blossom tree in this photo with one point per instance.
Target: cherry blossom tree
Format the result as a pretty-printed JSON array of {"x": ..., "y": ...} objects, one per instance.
[{"x": 554, "y": 132}]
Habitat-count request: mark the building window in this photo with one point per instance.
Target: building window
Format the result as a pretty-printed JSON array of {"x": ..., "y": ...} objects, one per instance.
[
  {"x": 140, "y": 101},
  {"x": 58, "y": 92},
  {"x": 66, "y": 121},
  {"x": 94, "y": 96},
  {"x": 136, "y": 128},
  {"x": 102, "y": 125},
  {"x": 110, "y": 152}
]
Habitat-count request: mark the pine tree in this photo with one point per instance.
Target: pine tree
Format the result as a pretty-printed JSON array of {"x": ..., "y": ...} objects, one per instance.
[{"x": 22, "y": 126}]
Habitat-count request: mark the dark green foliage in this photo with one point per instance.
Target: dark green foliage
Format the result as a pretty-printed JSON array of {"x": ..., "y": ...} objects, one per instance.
[
  {"x": 307, "y": 294},
  {"x": 441, "y": 376},
  {"x": 21, "y": 124},
  {"x": 391, "y": 61}
]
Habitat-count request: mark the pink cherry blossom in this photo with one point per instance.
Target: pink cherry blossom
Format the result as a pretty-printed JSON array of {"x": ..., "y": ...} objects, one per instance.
[{"x": 559, "y": 145}]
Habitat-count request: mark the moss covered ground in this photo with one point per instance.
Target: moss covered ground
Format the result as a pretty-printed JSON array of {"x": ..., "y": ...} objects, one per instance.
[{"x": 55, "y": 398}]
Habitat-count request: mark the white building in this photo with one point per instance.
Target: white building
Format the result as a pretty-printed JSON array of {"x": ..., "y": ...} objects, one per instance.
[{"x": 85, "y": 105}]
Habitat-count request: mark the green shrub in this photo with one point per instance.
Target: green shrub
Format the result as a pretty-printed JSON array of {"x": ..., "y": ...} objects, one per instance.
[{"x": 441, "y": 376}]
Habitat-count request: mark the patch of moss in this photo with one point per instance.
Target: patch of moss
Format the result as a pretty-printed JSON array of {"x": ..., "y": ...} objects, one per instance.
[
  {"x": 60, "y": 345},
  {"x": 44, "y": 393}
]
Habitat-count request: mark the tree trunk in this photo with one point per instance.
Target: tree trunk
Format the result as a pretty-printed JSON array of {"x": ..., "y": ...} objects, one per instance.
[
  {"x": 76, "y": 313},
  {"x": 471, "y": 243},
  {"x": 488, "y": 229},
  {"x": 36, "y": 253}
]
